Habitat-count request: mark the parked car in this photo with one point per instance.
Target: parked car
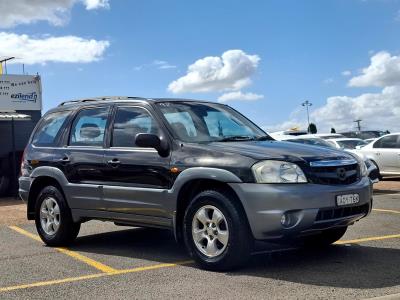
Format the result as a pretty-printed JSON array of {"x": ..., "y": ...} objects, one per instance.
[
  {"x": 369, "y": 140},
  {"x": 373, "y": 172},
  {"x": 364, "y": 134},
  {"x": 348, "y": 143},
  {"x": 384, "y": 152},
  {"x": 198, "y": 168},
  {"x": 328, "y": 136}
]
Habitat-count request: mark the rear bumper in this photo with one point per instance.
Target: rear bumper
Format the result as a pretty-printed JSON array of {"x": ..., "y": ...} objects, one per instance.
[{"x": 312, "y": 207}]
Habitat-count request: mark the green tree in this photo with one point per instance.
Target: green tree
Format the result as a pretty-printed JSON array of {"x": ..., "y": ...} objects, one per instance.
[{"x": 312, "y": 128}]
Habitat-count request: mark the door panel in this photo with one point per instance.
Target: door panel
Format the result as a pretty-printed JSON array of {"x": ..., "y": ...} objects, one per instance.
[
  {"x": 387, "y": 152},
  {"x": 83, "y": 158},
  {"x": 136, "y": 179}
]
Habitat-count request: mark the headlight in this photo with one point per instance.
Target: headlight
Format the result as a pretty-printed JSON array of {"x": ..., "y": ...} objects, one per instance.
[
  {"x": 363, "y": 168},
  {"x": 274, "y": 171},
  {"x": 362, "y": 163}
]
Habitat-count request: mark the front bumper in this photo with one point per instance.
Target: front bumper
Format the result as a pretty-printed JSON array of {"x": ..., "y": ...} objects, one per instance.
[{"x": 312, "y": 207}]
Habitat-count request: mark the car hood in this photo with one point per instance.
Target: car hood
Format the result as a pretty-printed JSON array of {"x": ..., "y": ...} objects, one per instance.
[{"x": 278, "y": 150}]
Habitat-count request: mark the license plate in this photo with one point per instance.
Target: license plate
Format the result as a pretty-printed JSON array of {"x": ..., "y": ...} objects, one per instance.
[{"x": 347, "y": 199}]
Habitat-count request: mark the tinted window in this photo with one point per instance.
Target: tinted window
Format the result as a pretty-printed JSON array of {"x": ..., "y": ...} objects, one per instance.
[
  {"x": 88, "y": 127},
  {"x": 390, "y": 141},
  {"x": 198, "y": 122},
  {"x": 49, "y": 130},
  {"x": 129, "y": 121},
  {"x": 351, "y": 144},
  {"x": 182, "y": 123}
]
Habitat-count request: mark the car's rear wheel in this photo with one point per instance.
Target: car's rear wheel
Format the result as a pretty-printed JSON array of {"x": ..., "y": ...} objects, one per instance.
[
  {"x": 216, "y": 232},
  {"x": 326, "y": 237},
  {"x": 53, "y": 218}
]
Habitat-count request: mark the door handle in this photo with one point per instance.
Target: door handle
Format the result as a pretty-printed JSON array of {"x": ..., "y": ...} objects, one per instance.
[
  {"x": 114, "y": 162},
  {"x": 64, "y": 160}
]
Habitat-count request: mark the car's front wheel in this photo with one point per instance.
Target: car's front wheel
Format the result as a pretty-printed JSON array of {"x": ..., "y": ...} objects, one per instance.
[
  {"x": 216, "y": 232},
  {"x": 53, "y": 218}
]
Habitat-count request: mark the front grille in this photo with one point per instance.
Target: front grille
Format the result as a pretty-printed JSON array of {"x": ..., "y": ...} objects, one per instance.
[
  {"x": 326, "y": 214},
  {"x": 335, "y": 175}
]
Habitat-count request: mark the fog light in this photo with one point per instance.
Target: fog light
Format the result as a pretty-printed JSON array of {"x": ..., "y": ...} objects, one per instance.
[{"x": 286, "y": 220}]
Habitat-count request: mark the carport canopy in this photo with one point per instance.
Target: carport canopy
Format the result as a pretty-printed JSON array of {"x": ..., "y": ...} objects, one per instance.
[{"x": 8, "y": 116}]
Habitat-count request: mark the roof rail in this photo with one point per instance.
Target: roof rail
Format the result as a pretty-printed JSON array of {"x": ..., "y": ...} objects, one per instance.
[{"x": 99, "y": 99}]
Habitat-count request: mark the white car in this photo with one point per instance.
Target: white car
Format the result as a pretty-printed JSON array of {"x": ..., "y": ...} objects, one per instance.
[
  {"x": 384, "y": 152},
  {"x": 348, "y": 143},
  {"x": 328, "y": 136}
]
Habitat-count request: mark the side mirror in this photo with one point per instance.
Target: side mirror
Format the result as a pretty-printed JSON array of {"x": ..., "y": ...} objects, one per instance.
[{"x": 147, "y": 140}]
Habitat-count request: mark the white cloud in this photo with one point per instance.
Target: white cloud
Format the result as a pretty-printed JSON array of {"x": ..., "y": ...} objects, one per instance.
[
  {"x": 56, "y": 12},
  {"x": 96, "y": 4},
  {"x": 377, "y": 110},
  {"x": 70, "y": 49},
  {"x": 384, "y": 70},
  {"x": 346, "y": 73},
  {"x": 162, "y": 64},
  {"x": 159, "y": 64},
  {"x": 230, "y": 72},
  {"x": 238, "y": 95}
]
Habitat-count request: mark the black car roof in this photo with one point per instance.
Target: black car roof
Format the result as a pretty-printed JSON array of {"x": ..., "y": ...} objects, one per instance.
[{"x": 90, "y": 100}]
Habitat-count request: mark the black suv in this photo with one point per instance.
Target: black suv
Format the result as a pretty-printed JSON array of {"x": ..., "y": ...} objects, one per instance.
[{"x": 199, "y": 168}]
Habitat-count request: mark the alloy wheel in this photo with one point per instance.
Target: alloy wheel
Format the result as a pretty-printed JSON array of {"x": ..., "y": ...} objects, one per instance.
[{"x": 210, "y": 231}]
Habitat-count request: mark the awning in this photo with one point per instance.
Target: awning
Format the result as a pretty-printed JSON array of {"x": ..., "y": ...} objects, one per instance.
[{"x": 8, "y": 116}]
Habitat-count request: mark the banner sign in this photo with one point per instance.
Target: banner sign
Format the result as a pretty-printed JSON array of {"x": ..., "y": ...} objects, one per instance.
[{"x": 20, "y": 92}]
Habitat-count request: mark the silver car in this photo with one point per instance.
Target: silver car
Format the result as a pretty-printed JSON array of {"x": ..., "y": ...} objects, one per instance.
[{"x": 384, "y": 152}]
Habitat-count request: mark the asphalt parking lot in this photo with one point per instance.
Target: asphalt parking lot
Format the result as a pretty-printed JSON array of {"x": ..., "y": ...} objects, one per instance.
[{"x": 121, "y": 262}]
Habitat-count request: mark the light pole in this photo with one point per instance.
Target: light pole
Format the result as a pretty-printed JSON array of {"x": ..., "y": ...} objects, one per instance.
[{"x": 307, "y": 104}]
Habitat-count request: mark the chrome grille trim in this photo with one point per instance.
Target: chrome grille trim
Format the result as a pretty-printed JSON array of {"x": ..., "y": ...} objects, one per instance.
[{"x": 333, "y": 163}]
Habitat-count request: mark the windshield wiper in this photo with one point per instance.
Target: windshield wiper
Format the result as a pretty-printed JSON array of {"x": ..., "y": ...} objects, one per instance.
[
  {"x": 264, "y": 138},
  {"x": 233, "y": 138}
]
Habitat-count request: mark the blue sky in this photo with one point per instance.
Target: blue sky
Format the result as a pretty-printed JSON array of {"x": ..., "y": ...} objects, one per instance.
[{"x": 303, "y": 47}]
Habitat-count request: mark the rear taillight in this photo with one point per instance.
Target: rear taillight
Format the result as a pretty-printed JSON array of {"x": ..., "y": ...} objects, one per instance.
[{"x": 24, "y": 167}]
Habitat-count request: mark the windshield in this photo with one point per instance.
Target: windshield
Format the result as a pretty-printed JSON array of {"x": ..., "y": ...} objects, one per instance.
[
  {"x": 198, "y": 122},
  {"x": 351, "y": 144}
]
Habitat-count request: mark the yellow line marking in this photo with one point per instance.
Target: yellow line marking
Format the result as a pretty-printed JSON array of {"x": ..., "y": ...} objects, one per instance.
[
  {"x": 85, "y": 277},
  {"x": 373, "y": 238},
  {"x": 91, "y": 262},
  {"x": 386, "y": 210}
]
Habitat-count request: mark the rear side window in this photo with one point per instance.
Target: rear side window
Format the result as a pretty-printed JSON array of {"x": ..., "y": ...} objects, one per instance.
[
  {"x": 390, "y": 142},
  {"x": 129, "y": 121},
  {"x": 49, "y": 129},
  {"x": 88, "y": 127}
]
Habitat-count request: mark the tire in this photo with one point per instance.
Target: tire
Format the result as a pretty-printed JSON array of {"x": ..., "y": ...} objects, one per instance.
[
  {"x": 231, "y": 249},
  {"x": 326, "y": 237},
  {"x": 380, "y": 177},
  {"x": 47, "y": 202}
]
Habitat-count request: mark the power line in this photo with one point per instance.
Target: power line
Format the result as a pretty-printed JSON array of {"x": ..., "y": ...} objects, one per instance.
[{"x": 358, "y": 124}]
